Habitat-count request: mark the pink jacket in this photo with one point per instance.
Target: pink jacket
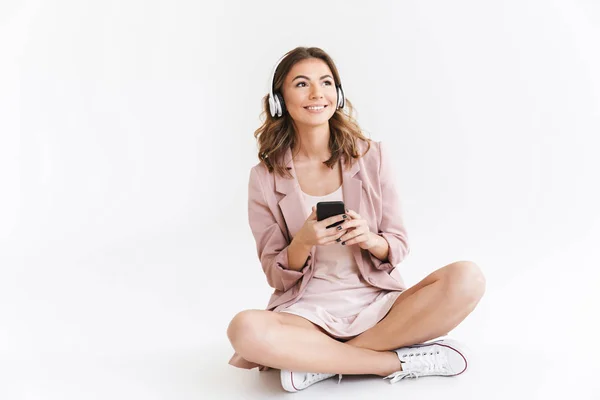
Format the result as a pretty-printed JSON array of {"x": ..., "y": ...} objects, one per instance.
[{"x": 276, "y": 213}]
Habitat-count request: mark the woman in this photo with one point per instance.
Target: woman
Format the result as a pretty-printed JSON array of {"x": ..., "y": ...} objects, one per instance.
[{"x": 339, "y": 305}]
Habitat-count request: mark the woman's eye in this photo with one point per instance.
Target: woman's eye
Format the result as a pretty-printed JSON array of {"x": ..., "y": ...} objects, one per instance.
[{"x": 304, "y": 83}]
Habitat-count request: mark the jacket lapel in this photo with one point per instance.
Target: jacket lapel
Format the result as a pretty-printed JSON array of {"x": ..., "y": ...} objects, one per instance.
[
  {"x": 292, "y": 205},
  {"x": 352, "y": 190}
]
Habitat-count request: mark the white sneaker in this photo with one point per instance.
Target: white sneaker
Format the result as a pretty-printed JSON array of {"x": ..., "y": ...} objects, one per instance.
[
  {"x": 440, "y": 358},
  {"x": 294, "y": 381}
]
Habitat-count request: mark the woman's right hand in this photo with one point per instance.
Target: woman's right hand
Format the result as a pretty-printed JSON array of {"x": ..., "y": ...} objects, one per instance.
[{"x": 314, "y": 232}]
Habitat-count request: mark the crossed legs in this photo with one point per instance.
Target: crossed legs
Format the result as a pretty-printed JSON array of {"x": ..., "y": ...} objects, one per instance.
[{"x": 429, "y": 309}]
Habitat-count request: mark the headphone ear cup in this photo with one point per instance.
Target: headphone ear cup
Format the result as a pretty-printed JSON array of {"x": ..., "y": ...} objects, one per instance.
[
  {"x": 272, "y": 107},
  {"x": 340, "y": 97},
  {"x": 280, "y": 103}
]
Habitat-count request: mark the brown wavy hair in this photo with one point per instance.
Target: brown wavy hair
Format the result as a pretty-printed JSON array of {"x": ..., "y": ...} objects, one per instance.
[{"x": 276, "y": 135}]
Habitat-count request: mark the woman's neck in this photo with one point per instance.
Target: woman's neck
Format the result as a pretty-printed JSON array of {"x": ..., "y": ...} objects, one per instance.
[{"x": 312, "y": 145}]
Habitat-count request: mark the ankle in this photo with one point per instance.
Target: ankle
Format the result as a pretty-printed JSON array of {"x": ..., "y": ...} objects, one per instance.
[{"x": 392, "y": 365}]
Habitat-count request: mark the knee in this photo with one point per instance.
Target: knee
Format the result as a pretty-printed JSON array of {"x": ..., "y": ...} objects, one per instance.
[
  {"x": 247, "y": 330},
  {"x": 466, "y": 281}
]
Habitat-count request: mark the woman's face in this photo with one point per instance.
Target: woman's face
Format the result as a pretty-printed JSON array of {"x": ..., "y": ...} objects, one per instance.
[{"x": 310, "y": 83}]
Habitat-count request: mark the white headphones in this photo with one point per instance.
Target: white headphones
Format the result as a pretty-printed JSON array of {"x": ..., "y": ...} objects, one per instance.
[{"x": 277, "y": 105}]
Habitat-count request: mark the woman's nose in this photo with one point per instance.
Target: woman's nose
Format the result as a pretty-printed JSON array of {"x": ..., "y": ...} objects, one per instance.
[{"x": 316, "y": 93}]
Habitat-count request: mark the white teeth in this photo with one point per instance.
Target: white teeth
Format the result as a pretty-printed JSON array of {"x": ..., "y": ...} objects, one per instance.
[{"x": 316, "y": 108}]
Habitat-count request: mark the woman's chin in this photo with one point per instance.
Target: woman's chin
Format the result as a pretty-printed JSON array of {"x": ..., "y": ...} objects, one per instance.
[{"x": 315, "y": 121}]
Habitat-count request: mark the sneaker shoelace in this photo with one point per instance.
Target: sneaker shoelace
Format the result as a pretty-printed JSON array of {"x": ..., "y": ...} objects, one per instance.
[{"x": 421, "y": 364}]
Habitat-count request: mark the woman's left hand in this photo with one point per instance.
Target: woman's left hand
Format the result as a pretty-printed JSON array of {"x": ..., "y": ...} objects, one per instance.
[{"x": 358, "y": 233}]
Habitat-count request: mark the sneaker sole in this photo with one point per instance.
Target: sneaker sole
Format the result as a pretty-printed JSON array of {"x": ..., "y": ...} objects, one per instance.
[{"x": 287, "y": 381}]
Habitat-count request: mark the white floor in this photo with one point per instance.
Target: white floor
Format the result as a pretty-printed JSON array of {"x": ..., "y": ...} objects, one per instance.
[
  {"x": 147, "y": 320},
  {"x": 497, "y": 372}
]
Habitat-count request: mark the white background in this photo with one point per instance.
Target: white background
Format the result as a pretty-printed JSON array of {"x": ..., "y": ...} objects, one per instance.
[{"x": 126, "y": 140}]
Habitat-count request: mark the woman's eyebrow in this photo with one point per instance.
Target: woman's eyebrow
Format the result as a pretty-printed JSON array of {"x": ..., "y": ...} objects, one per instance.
[{"x": 306, "y": 77}]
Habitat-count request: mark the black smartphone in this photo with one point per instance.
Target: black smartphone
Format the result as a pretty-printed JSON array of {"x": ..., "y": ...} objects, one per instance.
[{"x": 326, "y": 209}]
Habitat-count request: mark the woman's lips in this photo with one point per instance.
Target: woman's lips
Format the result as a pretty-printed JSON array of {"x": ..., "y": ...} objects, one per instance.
[{"x": 315, "y": 111}]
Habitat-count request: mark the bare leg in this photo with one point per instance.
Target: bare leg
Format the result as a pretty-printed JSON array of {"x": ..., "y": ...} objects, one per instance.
[
  {"x": 430, "y": 309},
  {"x": 286, "y": 341}
]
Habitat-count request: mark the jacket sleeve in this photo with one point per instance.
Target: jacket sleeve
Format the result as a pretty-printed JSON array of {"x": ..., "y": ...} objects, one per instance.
[
  {"x": 271, "y": 244},
  {"x": 391, "y": 227}
]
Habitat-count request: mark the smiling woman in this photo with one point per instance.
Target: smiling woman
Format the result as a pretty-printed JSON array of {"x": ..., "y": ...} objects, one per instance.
[
  {"x": 339, "y": 305},
  {"x": 306, "y": 92}
]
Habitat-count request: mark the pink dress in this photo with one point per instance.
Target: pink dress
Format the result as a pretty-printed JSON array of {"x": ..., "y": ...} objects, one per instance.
[{"x": 337, "y": 298}]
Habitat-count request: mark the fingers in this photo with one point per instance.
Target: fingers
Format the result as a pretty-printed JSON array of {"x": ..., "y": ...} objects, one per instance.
[
  {"x": 357, "y": 235},
  {"x": 353, "y": 214},
  {"x": 333, "y": 220},
  {"x": 328, "y": 240},
  {"x": 341, "y": 231},
  {"x": 349, "y": 223},
  {"x": 352, "y": 229},
  {"x": 329, "y": 234},
  {"x": 313, "y": 214}
]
